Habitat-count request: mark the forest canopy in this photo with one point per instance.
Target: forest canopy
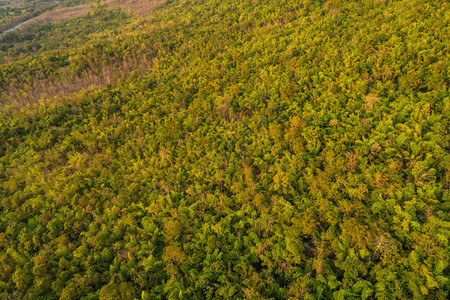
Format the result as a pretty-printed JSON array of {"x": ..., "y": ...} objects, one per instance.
[{"x": 219, "y": 149}]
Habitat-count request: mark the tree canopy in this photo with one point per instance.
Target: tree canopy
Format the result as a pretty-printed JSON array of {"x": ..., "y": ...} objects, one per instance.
[{"x": 219, "y": 149}]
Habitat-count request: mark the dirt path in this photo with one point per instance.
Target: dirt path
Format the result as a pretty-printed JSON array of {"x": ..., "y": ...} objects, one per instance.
[{"x": 14, "y": 28}]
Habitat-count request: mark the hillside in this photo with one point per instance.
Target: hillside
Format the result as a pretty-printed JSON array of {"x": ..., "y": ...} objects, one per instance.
[{"x": 219, "y": 149}]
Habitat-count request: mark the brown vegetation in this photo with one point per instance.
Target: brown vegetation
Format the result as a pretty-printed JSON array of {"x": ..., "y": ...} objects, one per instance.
[
  {"x": 141, "y": 7},
  {"x": 40, "y": 89},
  {"x": 63, "y": 14}
]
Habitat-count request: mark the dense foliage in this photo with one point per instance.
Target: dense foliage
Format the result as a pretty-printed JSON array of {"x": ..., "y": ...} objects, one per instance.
[{"x": 217, "y": 149}]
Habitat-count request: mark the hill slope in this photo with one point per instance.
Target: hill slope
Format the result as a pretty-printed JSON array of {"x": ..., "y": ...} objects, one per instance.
[{"x": 229, "y": 149}]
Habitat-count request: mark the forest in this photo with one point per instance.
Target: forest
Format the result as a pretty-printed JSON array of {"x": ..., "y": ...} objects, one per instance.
[{"x": 223, "y": 149}]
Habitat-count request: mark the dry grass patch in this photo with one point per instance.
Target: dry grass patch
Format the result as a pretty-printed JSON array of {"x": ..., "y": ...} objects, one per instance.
[
  {"x": 63, "y": 14},
  {"x": 141, "y": 7}
]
